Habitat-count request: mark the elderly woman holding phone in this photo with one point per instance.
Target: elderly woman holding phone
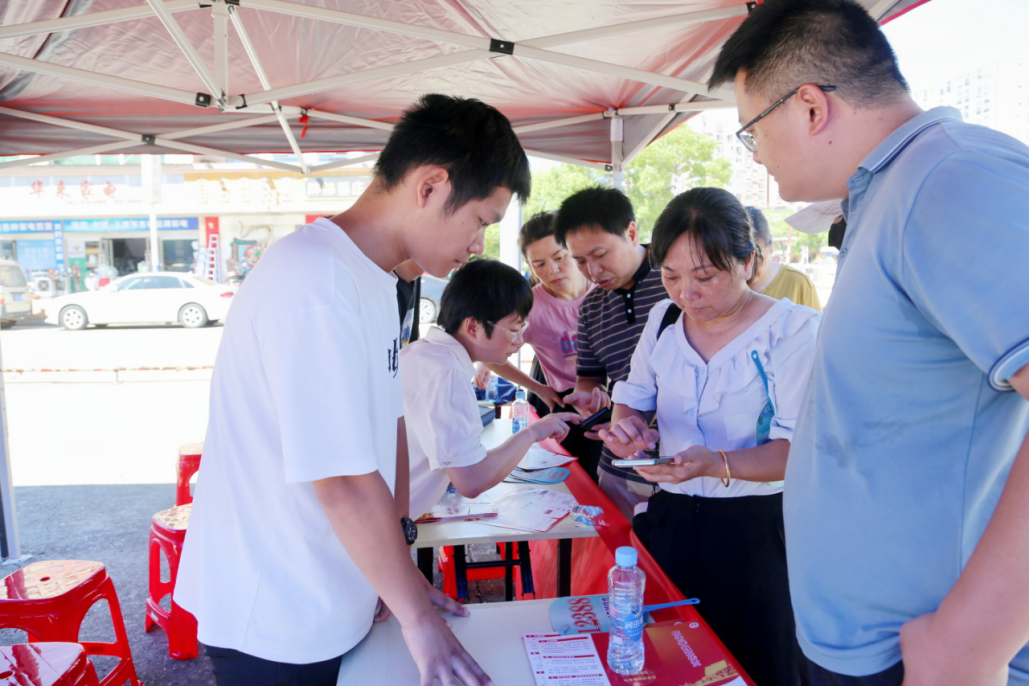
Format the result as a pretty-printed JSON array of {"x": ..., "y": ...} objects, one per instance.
[{"x": 723, "y": 369}]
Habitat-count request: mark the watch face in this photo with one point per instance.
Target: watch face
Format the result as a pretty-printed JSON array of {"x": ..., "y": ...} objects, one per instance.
[{"x": 410, "y": 530}]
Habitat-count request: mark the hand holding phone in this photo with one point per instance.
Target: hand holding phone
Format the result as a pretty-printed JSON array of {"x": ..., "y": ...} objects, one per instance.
[
  {"x": 642, "y": 462},
  {"x": 599, "y": 418}
]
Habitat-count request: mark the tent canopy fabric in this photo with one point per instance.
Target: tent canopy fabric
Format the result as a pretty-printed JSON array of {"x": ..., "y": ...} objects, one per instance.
[{"x": 353, "y": 66}]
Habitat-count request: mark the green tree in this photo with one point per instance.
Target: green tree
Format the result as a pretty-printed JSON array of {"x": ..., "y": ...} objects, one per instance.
[
  {"x": 680, "y": 160},
  {"x": 779, "y": 228}
]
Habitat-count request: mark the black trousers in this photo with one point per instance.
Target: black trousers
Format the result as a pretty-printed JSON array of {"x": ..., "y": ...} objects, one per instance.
[
  {"x": 730, "y": 554},
  {"x": 233, "y": 667},
  {"x": 587, "y": 451},
  {"x": 814, "y": 674}
]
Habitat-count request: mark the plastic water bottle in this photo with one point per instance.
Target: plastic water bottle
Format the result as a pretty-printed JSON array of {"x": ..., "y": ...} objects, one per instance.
[
  {"x": 491, "y": 388},
  {"x": 626, "y": 613},
  {"x": 519, "y": 412}
]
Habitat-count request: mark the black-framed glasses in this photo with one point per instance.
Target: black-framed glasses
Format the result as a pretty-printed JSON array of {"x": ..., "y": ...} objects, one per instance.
[{"x": 748, "y": 139}]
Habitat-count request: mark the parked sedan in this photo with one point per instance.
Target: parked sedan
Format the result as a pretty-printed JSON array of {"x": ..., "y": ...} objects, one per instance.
[{"x": 190, "y": 300}]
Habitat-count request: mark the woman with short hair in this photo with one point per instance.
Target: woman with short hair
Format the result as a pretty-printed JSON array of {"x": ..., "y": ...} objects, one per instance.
[
  {"x": 775, "y": 279},
  {"x": 724, "y": 369}
]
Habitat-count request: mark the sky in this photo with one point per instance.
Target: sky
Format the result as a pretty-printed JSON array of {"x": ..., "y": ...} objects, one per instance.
[{"x": 943, "y": 37}]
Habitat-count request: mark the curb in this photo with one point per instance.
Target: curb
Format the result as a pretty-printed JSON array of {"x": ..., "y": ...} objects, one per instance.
[{"x": 109, "y": 376}]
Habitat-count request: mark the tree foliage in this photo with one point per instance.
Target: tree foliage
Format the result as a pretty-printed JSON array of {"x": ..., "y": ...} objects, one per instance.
[{"x": 680, "y": 160}]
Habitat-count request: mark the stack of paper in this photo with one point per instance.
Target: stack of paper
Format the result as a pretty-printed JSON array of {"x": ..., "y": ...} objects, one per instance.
[
  {"x": 537, "y": 458},
  {"x": 558, "y": 660},
  {"x": 533, "y": 510},
  {"x": 453, "y": 506}
]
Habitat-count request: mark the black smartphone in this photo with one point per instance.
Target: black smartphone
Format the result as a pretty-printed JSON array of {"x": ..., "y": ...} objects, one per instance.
[{"x": 599, "y": 418}]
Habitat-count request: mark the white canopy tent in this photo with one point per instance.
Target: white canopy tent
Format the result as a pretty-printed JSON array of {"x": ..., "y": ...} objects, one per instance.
[{"x": 589, "y": 82}]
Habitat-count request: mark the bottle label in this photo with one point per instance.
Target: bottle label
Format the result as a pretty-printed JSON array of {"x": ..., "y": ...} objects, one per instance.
[{"x": 633, "y": 626}]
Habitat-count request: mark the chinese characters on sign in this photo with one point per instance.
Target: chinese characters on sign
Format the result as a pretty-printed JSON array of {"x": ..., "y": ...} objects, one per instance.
[{"x": 336, "y": 187}]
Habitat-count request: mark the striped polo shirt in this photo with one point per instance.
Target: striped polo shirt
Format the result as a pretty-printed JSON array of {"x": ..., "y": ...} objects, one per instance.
[{"x": 610, "y": 324}]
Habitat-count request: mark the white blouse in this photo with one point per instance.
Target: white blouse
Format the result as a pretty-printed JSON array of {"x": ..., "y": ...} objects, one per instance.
[{"x": 717, "y": 404}]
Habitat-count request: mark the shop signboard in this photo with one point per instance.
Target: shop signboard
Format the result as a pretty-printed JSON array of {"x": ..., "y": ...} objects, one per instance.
[
  {"x": 130, "y": 224},
  {"x": 27, "y": 227},
  {"x": 336, "y": 187}
]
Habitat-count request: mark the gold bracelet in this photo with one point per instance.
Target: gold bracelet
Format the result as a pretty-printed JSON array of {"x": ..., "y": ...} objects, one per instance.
[{"x": 726, "y": 463}]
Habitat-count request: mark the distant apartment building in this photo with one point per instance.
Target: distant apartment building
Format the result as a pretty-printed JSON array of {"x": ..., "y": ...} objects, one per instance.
[
  {"x": 750, "y": 183},
  {"x": 993, "y": 95}
]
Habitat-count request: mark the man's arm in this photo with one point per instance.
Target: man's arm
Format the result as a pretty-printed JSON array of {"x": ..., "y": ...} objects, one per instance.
[
  {"x": 982, "y": 622},
  {"x": 361, "y": 511},
  {"x": 514, "y": 374},
  {"x": 473, "y": 480},
  {"x": 402, "y": 489}
]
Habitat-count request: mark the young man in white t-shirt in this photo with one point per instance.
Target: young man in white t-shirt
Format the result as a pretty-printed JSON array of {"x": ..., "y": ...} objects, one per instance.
[
  {"x": 482, "y": 319},
  {"x": 295, "y": 531}
]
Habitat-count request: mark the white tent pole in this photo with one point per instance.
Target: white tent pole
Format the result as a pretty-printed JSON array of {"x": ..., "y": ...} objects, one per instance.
[
  {"x": 103, "y": 80},
  {"x": 336, "y": 164},
  {"x": 621, "y": 29},
  {"x": 248, "y": 47},
  {"x": 880, "y": 9},
  {"x": 224, "y": 126},
  {"x": 92, "y": 150},
  {"x": 655, "y": 132},
  {"x": 204, "y": 150},
  {"x": 187, "y": 48},
  {"x": 70, "y": 124},
  {"x": 616, "y": 138},
  {"x": 569, "y": 160},
  {"x": 683, "y": 106},
  {"x": 347, "y": 119},
  {"x": 220, "y": 14},
  {"x": 360, "y": 20},
  {"x": 553, "y": 124},
  {"x": 81, "y": 21},
  {"x": 332, "y": 82},
  {"x": 630, "y": 73},
  {"x": 11, "y": 545}
]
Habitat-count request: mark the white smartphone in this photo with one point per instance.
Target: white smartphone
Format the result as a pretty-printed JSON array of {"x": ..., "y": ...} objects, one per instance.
[{"x": 639, "y": 462}]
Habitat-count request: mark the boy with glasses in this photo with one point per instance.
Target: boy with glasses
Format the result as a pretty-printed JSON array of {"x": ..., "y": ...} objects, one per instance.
[{"x": 482, "y": 319}]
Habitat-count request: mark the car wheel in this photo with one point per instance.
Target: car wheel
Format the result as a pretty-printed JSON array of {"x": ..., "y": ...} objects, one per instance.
[
  {"x": 73, "y": 317},
  {"x": 7, "y": 324},
  {"x": 426, "y": 311},
  {"x": 192, "y": 316}
]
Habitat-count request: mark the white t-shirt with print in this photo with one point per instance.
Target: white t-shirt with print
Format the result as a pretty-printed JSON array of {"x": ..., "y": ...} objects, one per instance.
[
  {"x": 717, "y": 404},
  {"x": 305, "y": 386},
  {"x": 440, "y": 413}
]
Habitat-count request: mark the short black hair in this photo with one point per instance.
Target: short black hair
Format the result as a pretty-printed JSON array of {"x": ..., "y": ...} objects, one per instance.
[
  {"x": 473, "y": 141},
  {"x": 539, "y": 226},
  {"x": 784, "y": 44},
  {"x": 487, "y": 291},
  {"x": 763, "y": 236},
  {"x": 713, "y": 218},
  {"x": 606, "y": 208}
]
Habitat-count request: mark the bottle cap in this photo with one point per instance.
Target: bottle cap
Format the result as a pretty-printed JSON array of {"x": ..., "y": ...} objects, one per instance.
[{"x": 625, "y": 556}]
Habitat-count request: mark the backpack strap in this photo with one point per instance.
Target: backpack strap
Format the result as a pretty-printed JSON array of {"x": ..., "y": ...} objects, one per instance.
[{"x": 671, "y": 315}]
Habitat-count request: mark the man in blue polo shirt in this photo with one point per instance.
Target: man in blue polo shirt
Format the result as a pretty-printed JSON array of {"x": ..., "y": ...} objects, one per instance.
[{"x": 905, "y": 501}]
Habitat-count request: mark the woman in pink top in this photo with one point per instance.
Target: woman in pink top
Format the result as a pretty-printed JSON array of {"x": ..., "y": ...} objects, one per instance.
[{"x": 552, "y": 322}]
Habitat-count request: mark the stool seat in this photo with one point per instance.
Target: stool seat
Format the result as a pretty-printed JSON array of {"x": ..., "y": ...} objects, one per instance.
[
  {"x": 48, "y": 601},
  {"x": 46, "y": 663},
  {"x": 191, "y": 449},
  {"x": 174, "y": 519},
  {"x": 47, "y": 579}
]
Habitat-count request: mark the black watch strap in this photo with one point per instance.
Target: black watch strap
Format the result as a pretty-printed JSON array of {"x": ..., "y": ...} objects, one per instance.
[{"x": 410, "y": 530}]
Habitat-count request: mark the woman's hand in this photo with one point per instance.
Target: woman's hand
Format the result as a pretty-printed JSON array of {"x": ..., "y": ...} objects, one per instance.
[
  {"x": 548, "y": 396},
  {"x": 630, "y": 435},
  {"x": 696, "y": 461},
  {"x": 482, "y": 378}
]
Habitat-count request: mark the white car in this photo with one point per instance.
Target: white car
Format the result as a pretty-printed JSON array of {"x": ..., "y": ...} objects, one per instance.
[{"x": 185, "y": 298}]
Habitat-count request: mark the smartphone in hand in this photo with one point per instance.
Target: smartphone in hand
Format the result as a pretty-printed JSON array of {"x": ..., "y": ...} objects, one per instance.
[
  {"x": 640, "y": 462},
  {"x": 599, "y": 418}
]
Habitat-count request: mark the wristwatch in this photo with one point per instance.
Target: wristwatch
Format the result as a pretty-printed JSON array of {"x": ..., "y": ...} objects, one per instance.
[{"x": 410, "y": 531}]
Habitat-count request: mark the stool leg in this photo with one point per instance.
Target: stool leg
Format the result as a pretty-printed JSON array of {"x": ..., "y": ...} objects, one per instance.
[
  {"x": 526, "y": 568},
  {"x": 460, "y": 574},
  {"x": 154, "y": 580},
  {"x": 182, "y": 638}
]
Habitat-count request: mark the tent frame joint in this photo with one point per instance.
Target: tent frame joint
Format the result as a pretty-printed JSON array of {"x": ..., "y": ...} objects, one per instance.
[
  {"x": 203, "y": 100},
  {"x": 149, "y": 139},
  {"x": 502, "y": 47},
  {"x": 751, "y": 6}
]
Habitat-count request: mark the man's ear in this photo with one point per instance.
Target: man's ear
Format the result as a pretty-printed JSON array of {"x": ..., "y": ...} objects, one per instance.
[
  {"x": 433, "y": 184},
  {"x": 471, "y": 326},
  {"x": 817, "y": 104},
  {"x": 631, "y": 233}
]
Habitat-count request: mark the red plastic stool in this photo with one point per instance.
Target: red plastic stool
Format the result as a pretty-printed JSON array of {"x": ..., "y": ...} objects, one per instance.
[
  {"x": 458, "y": 572},
  {"x": 49, "y": 599},
  {"x": 46, "y": 663},
  {"x": 189, "y": 463},
  {"x": 167, "y": 533}
]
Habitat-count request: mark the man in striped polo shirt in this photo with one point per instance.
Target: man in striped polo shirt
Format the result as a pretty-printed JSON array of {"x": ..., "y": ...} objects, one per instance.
[{"x": 600, "y": 230}]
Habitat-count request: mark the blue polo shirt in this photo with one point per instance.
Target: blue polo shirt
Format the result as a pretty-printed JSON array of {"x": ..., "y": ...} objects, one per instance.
[{"x": 909, "y": 427}]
